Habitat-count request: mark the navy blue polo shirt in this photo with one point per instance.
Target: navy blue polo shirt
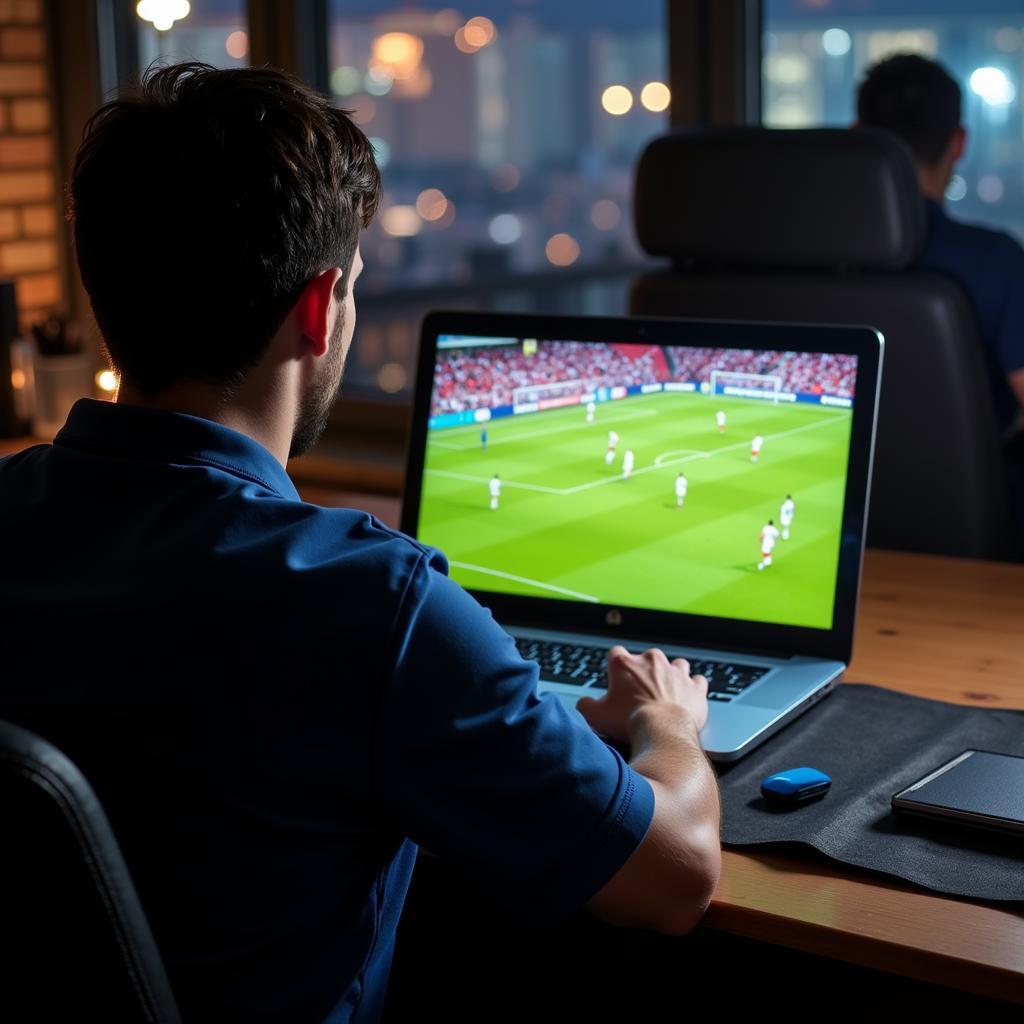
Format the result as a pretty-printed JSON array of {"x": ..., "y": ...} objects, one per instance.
[
  {"x": 989, "y": 265},
  {"x": 275, "y": 702}
]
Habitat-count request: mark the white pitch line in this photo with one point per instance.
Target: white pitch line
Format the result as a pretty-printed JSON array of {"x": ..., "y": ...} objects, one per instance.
[
  {"x": 529, "y": 582},
  {"x": 690, "y": 458},
  {"x": 486, "y": 479},
  {"x": 563, "y": 491},
  {"x": 681, "y": 451},
  {"x": 503, "y": 438}
]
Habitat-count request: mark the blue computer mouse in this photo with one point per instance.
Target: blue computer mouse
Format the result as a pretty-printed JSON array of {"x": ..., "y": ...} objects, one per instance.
[{"x": 795, "y": 785}]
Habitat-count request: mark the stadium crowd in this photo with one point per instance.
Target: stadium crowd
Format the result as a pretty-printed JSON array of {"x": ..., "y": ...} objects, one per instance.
[{"x": 489, "y": 377}]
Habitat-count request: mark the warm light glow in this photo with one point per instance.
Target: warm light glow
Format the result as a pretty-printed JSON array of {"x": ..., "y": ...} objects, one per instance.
[
  {"x": 562, "y": 250},
  {"x": 605, "y": 214},
  {"x": 346, "y": 80},
  {"x": 617, "y": 99},
  {"x": 655, "y": 96},
  {"x": 462, "y": 44},
  {"x": 431, "y": 204},
  {"x": 478, "y": 32},
  {"x": 237, "y": 44},
  {"x": 399, "y": 52},
  {"x": 401, "y": 221},
  {"x": 787, "y": 68},
  {"x": 106, "y": 380},
  {"x": 162, "y": 13},
  {"x": 392, "y": 377},
  {"x": 18, "y": 380},
  {"x": 505, "y": 177}
]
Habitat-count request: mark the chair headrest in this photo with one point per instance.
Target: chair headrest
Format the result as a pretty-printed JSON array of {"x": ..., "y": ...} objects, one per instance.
[{"x": 757, "y": 197}]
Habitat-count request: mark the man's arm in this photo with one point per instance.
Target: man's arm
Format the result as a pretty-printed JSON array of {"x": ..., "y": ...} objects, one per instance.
[{"x": 656, "y": 706}]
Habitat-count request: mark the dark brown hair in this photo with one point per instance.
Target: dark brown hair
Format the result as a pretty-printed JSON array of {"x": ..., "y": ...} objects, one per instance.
[
  {"x": 202, "y": 205},
  {"x": 914, "y": 98}
]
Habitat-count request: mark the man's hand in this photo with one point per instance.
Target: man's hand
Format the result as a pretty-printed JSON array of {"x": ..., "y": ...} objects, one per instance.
[{"x": 639, "y": 680}]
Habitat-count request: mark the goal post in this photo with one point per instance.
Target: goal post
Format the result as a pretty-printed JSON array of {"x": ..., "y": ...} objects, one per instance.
[
  {"x": 745, "y": 385},
  {"x": 561, "y": 392}
]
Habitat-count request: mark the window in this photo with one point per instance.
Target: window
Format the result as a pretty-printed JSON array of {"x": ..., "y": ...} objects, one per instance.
[
  {"x": 816, "y": 51},
  {"x": 213, "y": 31},
  {"x": 507, "y": 136}
]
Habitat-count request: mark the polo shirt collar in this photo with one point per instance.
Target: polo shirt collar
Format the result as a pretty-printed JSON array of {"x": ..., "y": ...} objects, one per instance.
[{"x": 134, "y": 431}]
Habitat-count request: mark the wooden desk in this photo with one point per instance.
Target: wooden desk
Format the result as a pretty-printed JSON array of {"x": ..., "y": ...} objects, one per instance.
[{"x": 944, "y": 628}]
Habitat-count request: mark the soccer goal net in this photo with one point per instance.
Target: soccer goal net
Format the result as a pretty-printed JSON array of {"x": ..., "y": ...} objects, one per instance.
[
  {"x": 560, "y": 392},
  {"x": 745, "y": 385}
]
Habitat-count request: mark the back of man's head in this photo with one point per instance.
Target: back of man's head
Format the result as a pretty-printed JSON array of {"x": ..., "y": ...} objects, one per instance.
[
  {"x": 914, "y": 98},
  {"x": 202, "y": 205}
]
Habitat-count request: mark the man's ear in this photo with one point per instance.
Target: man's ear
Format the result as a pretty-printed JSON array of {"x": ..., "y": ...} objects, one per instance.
[{"x": 313, "y": 309}]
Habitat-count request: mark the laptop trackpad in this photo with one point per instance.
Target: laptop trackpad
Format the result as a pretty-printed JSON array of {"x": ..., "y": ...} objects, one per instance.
[{"x": 774, "y": 693}]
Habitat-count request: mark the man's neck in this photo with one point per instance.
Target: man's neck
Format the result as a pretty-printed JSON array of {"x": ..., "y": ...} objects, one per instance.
[{"x": 266, "y": 422}]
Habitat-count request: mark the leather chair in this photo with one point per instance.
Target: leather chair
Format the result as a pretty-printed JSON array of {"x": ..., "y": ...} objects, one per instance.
[
  {"x": 76, "y": 944},
  {"x": 825, "y": 226}
]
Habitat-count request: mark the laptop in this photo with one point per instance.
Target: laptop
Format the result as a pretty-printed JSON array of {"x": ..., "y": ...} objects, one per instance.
[{"x": 695, "y": 486}]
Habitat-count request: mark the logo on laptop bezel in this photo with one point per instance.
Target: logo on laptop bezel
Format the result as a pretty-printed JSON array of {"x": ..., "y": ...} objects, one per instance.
[{"x": 613, "y": 617}]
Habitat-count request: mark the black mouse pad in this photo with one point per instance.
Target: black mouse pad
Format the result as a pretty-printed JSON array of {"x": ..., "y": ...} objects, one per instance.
[{"x": 873, "y": 743}]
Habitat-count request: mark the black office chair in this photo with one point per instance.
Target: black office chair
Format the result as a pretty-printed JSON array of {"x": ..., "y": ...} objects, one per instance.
[
  {"x": 825, "y": 226},
  {"x": 76, "y": 944}
]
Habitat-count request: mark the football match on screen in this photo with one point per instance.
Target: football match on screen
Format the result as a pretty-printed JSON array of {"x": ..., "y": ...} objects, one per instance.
[{"x": 683, "y": 479}]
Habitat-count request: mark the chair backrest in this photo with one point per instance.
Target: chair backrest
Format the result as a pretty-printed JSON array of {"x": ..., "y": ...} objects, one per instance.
[
  {"x": 825, "y": 226},
  {"x": 76, "y": 944}
]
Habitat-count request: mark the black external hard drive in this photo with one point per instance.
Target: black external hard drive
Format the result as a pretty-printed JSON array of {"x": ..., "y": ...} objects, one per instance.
[{"x": 978, "y": 788}]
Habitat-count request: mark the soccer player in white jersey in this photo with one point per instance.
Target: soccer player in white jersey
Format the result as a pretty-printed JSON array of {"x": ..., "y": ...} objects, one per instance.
[
  {"x": 591, "y": 409},
  {"x": 613, "y": 440},
  {"x": 720, "y": 420},
  {"x": 680, "y": 490},
  {"x": 786, "y": 514},
  {"x": 494, "y": 486},
  {"x": 755, "y": 447},
  {"x": 769, "y": 535},
  {"x": 627, "y": 463}
]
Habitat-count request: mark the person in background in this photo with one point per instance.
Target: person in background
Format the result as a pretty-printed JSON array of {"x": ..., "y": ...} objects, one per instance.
[{"x": 916, "y": 99}]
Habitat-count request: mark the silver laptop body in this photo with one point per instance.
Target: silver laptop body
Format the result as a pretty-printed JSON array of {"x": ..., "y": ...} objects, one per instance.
[{"x": 718, "y": 474}]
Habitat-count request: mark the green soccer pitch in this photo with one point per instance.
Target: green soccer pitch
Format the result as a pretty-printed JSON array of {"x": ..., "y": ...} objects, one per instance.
[{"x": 568, "y": 526}]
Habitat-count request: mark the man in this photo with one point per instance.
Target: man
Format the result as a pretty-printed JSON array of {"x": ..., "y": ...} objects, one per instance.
[
  {"x": 680, "y": 490},
  {"x": 591, "y": 409},
  {"x": 755, "y": 447},
  {"x": 613, "y": 441},
  {"x": 720, "y": 420},
  {"x": 769, "y": 535},
  {"x": 297, "y": 695},
  {"x": 483, "y": 438},
  {"x": 495, "y": 490},
  {"x": 627, "y": 464},
  {"x": 786, "y": 513},
  {"x": 917, "y": 100}
]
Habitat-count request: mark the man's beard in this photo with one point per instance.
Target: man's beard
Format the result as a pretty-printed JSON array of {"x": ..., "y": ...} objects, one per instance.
[{"x": 315, "y": 407}]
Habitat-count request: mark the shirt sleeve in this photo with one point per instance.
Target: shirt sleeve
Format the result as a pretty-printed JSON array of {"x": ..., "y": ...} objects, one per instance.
[{"x": 473, "y": 764}]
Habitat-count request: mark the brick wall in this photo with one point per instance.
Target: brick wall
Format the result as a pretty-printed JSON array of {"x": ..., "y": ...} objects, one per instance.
[{"x": 30, "y": 227}]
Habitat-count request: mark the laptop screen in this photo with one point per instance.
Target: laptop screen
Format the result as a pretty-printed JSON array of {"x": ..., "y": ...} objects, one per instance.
[{"x": 702, "y": 480}]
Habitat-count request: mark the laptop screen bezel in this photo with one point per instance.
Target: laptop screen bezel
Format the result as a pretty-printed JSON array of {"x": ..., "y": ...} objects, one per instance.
[{"x": 676, "y": 627}]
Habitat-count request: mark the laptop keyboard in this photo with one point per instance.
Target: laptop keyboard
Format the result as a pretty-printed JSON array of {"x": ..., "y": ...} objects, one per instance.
[{"x": 584, "y": 666}]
